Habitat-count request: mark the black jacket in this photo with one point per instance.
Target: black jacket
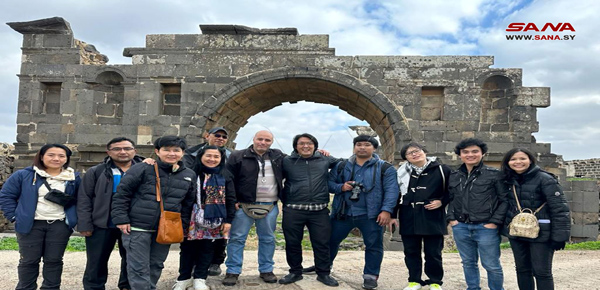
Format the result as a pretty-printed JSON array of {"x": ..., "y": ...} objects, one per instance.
[
  {"x": 243, "y": 165},
  {"x": 306, "y": 178},
  {"x": 430, "y": 185},
  {"x": 477, "y": 197},
  {"x": 533, "y": 189},
  {"x": 135, "y": 201},
  {"x": 95, "y": 195}
]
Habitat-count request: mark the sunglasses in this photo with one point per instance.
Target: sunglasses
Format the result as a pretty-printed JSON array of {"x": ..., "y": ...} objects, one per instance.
[{"x": 217, "y": 135}]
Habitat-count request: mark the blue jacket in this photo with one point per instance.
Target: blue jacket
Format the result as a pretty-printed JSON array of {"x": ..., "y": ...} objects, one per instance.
[
  {"x": 19, "y": 197},
  {"x": 382, "y": 197}
]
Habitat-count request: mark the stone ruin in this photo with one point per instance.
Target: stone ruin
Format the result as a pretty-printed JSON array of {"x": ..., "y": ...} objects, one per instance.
[{"x": 184, "y": 84}]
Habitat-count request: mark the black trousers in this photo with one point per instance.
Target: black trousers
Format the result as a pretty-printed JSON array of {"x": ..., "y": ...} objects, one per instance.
[
  {"x": 219, "y": 254},
  {"x": 432, "y": 247},
  {"x": 195, "y": 256},
  {"x": 319, "y": 229},
  {"x": 533, "y": 260},
  {"x": 48, "y": 241},
  {"x": 98, "y": 247}
]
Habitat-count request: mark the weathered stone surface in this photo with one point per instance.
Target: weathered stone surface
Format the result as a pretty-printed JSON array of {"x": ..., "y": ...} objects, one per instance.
[{"x": 54, "y": 25}]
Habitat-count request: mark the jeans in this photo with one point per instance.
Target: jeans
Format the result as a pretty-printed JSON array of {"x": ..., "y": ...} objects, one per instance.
[
  {"x": 372, "y": 234},
  {"x": 432, "y": 247},
  {"x": 98, "y": 247},
  {"x": 46, "y": 240},
  {"x": 195, "y": 258},
  {"x": 265, "y": 229},
  {"x": 533, "y": 260},
  {"x": 319, "y": 229},
  {"x": 474, "y": 241},
  {"x": 145, "y": 259}
]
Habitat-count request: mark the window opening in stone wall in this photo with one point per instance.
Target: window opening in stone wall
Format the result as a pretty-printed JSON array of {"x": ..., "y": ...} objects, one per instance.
[
  {"x": 432, "y": 103},
  {"x": 171, "y": 99},
  {"x": 50, "y": 100}
]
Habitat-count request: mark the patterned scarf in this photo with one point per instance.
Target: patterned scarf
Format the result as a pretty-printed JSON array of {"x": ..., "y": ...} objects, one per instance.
[{"x": 213, "y": 188}]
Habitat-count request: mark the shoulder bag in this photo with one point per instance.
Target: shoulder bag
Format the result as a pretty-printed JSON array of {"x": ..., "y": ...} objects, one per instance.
[
  {"x": 170, "y": 228},
  {"x": 524, "y": 224}
]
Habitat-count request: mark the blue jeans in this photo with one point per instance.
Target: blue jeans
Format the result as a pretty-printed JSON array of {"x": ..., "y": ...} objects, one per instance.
[
  {"x": 265, "y": 229},
  {"x": 372, "y": 237},
  {"x": 472, "y": 241}
]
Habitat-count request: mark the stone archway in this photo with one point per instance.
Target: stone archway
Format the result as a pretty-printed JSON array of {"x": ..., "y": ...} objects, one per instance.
[{"x": 234, "y": 104}]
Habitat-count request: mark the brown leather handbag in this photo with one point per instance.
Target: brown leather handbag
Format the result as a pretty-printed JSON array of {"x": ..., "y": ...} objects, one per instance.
[{"x": 170, "y": 229}]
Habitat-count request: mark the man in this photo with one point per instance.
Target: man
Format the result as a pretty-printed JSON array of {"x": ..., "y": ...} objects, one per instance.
[
  {"x": 476, "y": 211},
  {"x": 366, "y": 192},
  {"x": 258, "y": 179},
  {"x": 218, "y": 137},
  {"x": 305, "y": 197},
  {"x": 93, "y": 209}
]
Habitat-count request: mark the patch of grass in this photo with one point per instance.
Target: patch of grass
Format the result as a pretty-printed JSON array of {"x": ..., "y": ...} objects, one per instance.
[
  {"x": 594, "y": 245},
  {"x": 76, "y": 244},
  {"x": 504, "y": 246}
]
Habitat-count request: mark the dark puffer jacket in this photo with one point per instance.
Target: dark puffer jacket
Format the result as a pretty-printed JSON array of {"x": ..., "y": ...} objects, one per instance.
[
  {"x": 477, "y": 197},
  {"x": 535, "y": 188},
  {"x": 244, "y": 167},
  {"x": 306, "y": 178},
  {"x": 95, "y": 195},
  {"x": 135, "y": 201}
]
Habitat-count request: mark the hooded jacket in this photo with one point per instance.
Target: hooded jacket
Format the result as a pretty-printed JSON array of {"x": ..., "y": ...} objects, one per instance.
[
  {"x": 380, "y": 197},
  {"x": 536, "y": 188},
  {"x": 244, "y": 167},
  {"x": 19, "y": 198},
  {"x": 477, "y": 197},
  {"x": 95, "y": 195},
  {"x": 135, "y": 201},
  {"x": 306, "y": 178}
]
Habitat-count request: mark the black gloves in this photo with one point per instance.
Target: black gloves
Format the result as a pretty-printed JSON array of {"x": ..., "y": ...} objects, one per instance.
[{"x": 557, "y": 246}]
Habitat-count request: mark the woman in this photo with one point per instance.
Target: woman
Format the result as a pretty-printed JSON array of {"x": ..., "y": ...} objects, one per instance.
[
  {"x": 534, "y": 188},
  {"x": 136, "y": 211},
  {"x": 212, "y": 215},
  {"x": 421, "y": 211},
  {"x": 40, "y": 200}
]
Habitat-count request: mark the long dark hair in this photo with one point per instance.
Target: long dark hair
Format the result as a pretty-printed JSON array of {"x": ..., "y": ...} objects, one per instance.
[
  {"x": 37, "y": 160},
  {"x": 200, "y": 167},
  {"x": 506, "y": 170}
]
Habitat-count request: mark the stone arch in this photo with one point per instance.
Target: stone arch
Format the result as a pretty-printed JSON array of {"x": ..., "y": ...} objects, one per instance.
[
  {"x": 258, "y": 92},
  {"x": 109, "y": 78},
  {"x": 496, "y": 100},
  {"x": 109, "y": 96}
]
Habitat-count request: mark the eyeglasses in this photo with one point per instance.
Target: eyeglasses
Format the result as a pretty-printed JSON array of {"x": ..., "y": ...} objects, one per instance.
[
  {"x": 306, "y": 144},
  {"x": 416, "y": 151},
  {"x": 118, "y": 149},
  {"x": 217, "y": 135}
]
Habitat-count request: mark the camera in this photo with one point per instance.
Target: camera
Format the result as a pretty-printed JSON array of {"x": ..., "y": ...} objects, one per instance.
[{"x": 357, "y": 188}]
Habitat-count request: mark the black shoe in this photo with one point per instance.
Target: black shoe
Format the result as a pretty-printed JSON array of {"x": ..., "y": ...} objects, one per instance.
[
  {"x": 328, "y": 280},
  {"x": 214, "y": 270},
  {"x": 268, "y": 277},
  {"x": 309, "y": 270},
  {"x": 370, "y": 284},
  {"x": 290, "y": 278},
  {"x": 230, "y": 279}
]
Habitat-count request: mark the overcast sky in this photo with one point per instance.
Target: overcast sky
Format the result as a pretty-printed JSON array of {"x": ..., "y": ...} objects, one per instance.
[{"x": 367, "y": 27}]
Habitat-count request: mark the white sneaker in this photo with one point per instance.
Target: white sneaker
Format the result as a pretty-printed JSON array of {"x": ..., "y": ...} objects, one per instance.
[
  {"x": 435, "y": 287},
  {"x": 413, "y": 286},
  {"x": 200, "y": 284},
  {"x": 182, "y": 285}
]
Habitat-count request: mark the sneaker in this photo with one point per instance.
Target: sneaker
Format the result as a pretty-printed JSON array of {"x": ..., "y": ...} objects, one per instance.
[
  {"x": 200, "y": 284},
  {"x": 370, "y": 283},
  {"x": 214, "y": 270},
  {"x": 435, "y": 287},
  {"x": 268, "y": 277},
  {"x": 230, "y": 279},
  {"x": 182, "y": 285},
  {"x": 416, "y": 286}
]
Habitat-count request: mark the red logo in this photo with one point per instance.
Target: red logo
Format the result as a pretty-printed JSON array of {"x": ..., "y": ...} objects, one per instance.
[{"x": 524, "y": 27}]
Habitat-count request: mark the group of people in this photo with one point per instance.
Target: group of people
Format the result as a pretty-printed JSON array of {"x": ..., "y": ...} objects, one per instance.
[{"x": 221, "y": 194}]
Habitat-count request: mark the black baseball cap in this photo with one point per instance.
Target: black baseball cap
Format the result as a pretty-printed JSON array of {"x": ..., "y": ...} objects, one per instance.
[{"x": 217, "y": 129}]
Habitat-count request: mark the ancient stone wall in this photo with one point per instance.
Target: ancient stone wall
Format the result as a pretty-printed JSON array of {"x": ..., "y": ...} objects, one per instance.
[
  {"x": 6, "y": 169},
  {"x": 589, "y": 168},
  {"x": 584, "y": 201},
  {"x": 183, "y": 84}
]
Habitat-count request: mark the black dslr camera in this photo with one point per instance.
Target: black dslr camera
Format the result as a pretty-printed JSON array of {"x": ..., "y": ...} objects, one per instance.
[{"x": 357, "y": 188}]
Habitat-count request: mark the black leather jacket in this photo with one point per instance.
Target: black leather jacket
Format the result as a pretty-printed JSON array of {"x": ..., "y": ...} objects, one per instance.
[
  {"x": 306, "y": 178},
  {"x": 478, "y": 197}
]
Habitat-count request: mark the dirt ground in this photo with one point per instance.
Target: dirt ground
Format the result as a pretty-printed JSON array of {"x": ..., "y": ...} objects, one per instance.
[{"x": 572, "y": 270}]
